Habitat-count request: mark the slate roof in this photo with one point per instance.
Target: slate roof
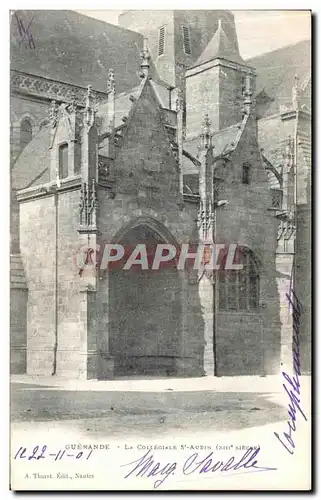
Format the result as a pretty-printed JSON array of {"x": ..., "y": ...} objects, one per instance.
[
  {"x": 223, "y": 142},
  {"x": 123, "y": 105},
  {"x": 275, "y": 75},
  {"x": 32, "y": 165},
  {"x": 220, "y": 46},
  {"x": 76, "y": 49}
]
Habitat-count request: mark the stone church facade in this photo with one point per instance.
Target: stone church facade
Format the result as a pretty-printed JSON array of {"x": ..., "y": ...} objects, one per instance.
[{"x": 156, "y": 131}]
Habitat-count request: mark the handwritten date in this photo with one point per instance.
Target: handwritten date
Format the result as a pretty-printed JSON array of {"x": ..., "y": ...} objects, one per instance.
[{"x": 39, "y": 453}]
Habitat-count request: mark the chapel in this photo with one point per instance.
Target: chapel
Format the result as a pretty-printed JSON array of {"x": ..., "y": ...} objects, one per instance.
[{"x": 156, "y": 131}]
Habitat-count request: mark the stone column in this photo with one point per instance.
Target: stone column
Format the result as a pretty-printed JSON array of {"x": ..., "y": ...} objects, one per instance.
[
  {"x": 105, "y": 360},
  {"x": 284, "y": 266},
  {"x": 94, "y": 311},
  {"x": 206, "y": 294},
  {"x": 207, "y": 228},
  {"x": 88, "y": 350}
]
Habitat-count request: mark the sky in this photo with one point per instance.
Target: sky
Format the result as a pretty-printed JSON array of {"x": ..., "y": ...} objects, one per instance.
[{"x": 258, "y": 31}]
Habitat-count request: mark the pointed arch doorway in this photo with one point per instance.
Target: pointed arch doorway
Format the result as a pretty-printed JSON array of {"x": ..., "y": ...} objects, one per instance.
[{"x": 145, "y": 310}]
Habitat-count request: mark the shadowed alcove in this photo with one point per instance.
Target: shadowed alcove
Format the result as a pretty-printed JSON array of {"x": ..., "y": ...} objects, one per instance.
[{"x": 145, "y": 310}]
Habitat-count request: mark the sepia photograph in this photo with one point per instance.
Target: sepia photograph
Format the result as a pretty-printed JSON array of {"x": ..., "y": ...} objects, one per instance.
[{"x": 160, "y": 250}]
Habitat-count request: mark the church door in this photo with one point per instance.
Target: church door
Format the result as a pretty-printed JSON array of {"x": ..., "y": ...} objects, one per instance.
[{"x": 145, "y": 312}]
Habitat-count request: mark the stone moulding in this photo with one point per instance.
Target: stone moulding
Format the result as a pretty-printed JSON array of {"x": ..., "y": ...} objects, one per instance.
[
  {"x": 49, "y": 189},
  {"x": 222, "y": 62},
  {"x": 47, "y": 89}
]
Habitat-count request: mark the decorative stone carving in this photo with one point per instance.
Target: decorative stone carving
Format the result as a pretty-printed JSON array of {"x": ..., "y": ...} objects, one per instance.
[
  {"x": 83, "y": 204},
  {"x": 118, "y": 137},
  {"x": 205, "y": 219},
  {"x": 111, "y": 81},
  {"x": 286, "y": 229},
  {"x": 46, "y": 88},
  {"x": 174, "y": 149},
  {"x": 103, "y": 170},
  {"x": 179, "y": 101},
  {"x": 88, "y": 204},
  {"x": 144, "y": 56},
  {"x": 64, "y": 112},
  {"x": 93, "y": 205},
  {"x": 90, "y": 111},
  {"x": 53, "y": 114},
  {"x": 247, "y": 94},
  {"x": 72, "y": 107},
  {"x": 206, "y": 135},
  {"x": 295, "y": 93}
]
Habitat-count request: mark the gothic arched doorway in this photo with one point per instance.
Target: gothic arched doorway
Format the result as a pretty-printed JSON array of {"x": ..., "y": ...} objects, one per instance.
[{"x": 145, "y": 311}]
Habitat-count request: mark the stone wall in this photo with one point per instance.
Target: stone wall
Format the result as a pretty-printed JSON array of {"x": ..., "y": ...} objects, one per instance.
[
  {"x": 247, "y": 221},
  {"x": 304, "y": 283},
  {"x": 284, "y": 263},
  {"x": 304, "y": 240},
  {"x": 273, "y": 131},
  {"x": 214, "y": 88},
  {"x": 37, "y": 243},
  {"x": 57, "y": 310},
  {"x": 72, "y": 326},
  {"x": 18, "y": 315}
]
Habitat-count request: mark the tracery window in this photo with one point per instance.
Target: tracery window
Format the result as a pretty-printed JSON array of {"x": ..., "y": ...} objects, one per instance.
[
  {"x": 25, "y": 133},
  {"x": 276, "y": 198},
  {"x": 238, "y": 290},
  {"x": 63, "y": 161},
  {"x": 243, "y": 86}
]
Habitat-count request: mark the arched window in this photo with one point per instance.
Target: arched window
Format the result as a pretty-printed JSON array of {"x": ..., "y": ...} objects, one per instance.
[
  {"x": 25, "y": 133},
  {"x": 246, "y": 173},
  {"x": 243, "y": 85},
  {"x": 239, "y": 289},
  {"x": 63, "y": 161}
]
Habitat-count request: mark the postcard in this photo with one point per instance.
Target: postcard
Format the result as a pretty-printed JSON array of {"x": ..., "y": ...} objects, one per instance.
[{"x": 160, "y": 257}]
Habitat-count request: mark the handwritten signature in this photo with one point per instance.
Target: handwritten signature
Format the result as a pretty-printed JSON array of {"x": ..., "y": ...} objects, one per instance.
[
  {"x": 25, "y": 32},
  {"x": 293, "y": 383},
  {"x": 148, "y": 466}
]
